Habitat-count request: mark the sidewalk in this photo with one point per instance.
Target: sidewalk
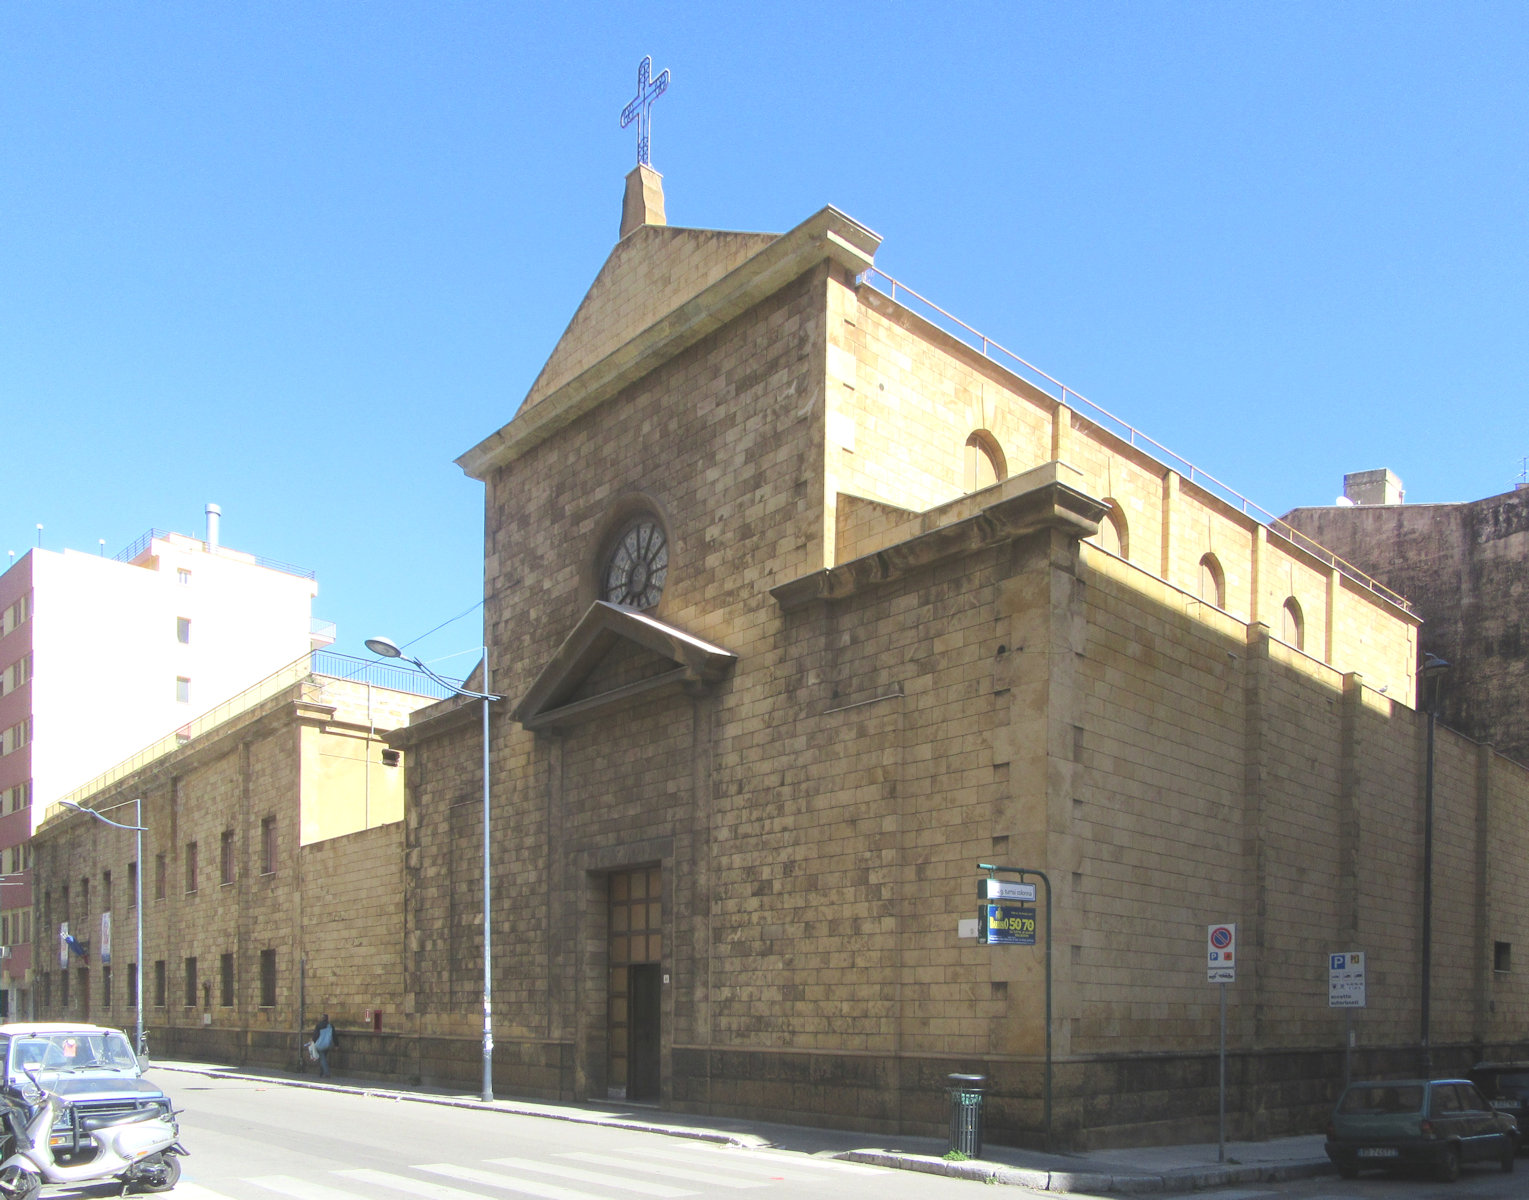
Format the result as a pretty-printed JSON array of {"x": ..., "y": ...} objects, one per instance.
[{"x": 1145, "y": 1170}]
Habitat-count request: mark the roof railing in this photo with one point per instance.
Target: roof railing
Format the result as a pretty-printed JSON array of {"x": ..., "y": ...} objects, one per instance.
[
  {"x": 316, "y": 663},
  {"x": 128, "y": 553},
  {"x": 1122, "y": 429}
]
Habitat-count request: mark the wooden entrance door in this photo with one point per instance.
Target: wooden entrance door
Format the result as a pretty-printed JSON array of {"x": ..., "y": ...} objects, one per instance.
[{"x": 636, "y": 986}]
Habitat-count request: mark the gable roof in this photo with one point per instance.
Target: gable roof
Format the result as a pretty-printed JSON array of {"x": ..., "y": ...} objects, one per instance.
[
  {"x": 559, "y": 695},
  {"x": 662, "y": 290},
  {"x": 651, "y": 272}
]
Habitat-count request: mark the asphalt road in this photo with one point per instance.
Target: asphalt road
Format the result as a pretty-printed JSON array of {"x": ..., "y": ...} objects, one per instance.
[{"x": 255, "y": 1141}]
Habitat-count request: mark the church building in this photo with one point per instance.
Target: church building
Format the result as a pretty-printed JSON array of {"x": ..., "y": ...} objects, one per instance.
[{"x": 811, "y": 612}]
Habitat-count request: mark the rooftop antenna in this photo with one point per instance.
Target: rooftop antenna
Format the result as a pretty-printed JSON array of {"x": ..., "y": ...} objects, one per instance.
[
  {"x": 102, "y": 543},
  {"x": 39, "y": 535},
  {"x": 1523, "y": 474}
]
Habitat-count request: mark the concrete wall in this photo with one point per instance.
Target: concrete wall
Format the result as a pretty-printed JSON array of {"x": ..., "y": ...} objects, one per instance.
[
  {"x": 1466, "y": 569},
  {"x": 331, "y": 910}
]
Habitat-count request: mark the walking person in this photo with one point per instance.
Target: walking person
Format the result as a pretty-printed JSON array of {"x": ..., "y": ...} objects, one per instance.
[{"x": 323, "y": 1043}]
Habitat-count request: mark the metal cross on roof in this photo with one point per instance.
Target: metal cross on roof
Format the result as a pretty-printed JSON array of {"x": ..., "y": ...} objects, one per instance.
[{"x": 640, "y": 109}]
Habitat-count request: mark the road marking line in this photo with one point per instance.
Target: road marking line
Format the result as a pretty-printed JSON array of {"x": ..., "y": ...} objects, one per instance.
[
  {"x": 440, "y": 1191},
  {"x": 302, "y": 1189},
  {"x": 186, "y": 1190},
  {"x": 494, "y": 1179},
  {"x": 710, "y": 1178}
]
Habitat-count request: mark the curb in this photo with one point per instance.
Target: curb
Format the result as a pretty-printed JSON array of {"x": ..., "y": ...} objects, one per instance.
[
  {"x": 1182, "y": 1180},
  {"x": 1188, "y": 1179}
]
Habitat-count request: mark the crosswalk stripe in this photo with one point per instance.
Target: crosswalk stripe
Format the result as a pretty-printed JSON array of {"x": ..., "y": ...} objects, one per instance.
[
  {"x": 710, "y": 1178},
  {"x": 417, "y": 1187},
  {"x": 525, "y": 1187},
  {"x": 186, "y": 1190},
  {"x": 301, "y": 1189},
  {"x": 757, "y": 1159},
  {"x": 622, "y": 1182}
]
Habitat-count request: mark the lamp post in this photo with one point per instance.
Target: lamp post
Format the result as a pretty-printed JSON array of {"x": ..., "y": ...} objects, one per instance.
[
  {"x": 138, "y": 831},
  {"x": 1434, "y": 668},
  {"x": 387, "y": 649}
]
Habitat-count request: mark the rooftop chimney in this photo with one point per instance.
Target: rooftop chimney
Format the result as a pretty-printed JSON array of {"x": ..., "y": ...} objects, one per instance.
[
  {"x": 644, "y": 201},
  {"x": 214, "y": 514},
  {"x": 1373, "y": 487}
]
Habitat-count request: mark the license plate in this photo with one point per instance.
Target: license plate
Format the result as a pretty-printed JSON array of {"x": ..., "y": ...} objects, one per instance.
[
  {"x": 1510, "y": 1105},
  {"x": 1377, "y": 1152}
]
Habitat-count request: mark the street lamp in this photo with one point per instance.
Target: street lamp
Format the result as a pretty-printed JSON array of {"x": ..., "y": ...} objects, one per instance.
[
  {"x": 138, "y": 831},
  {"x": 1434, "y": 668},
  {"x": 387, "y": 649}
]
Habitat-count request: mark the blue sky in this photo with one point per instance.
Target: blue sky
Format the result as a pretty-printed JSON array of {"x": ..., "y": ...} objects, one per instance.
[{"x": 295, "y": 258}]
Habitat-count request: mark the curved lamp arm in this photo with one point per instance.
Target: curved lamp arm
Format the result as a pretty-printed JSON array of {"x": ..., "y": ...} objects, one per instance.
[
  {"x": 90, "y": 812},
  {"x": 384, "y": 648}
]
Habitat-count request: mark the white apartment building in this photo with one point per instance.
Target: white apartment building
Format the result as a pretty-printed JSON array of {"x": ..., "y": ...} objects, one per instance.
[{"x": 99, "y": 657}]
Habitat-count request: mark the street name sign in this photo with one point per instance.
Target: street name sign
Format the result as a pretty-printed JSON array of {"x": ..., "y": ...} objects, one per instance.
[{"x": 1004, "y": 889}]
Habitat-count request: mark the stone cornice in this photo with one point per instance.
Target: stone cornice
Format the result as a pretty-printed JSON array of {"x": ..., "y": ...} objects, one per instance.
[
  {"x": 1050, "y": 506},
  {"x": 828, "y": 234},
  {"x": 427, "y": 724}
]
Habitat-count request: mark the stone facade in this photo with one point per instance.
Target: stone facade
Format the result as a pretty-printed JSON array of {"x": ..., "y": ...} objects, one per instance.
[
  {"x": 1465, "y": 568},
  {"x": 273, "y": 884},
  {"x": 868, "y": 673}
]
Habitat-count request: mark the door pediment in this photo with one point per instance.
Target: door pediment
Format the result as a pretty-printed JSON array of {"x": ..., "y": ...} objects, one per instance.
[{"x": 613, "y": 654}]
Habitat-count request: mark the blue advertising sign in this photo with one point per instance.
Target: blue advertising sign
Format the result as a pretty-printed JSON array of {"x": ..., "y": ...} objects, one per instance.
[{"x": 1008, "y": 925}]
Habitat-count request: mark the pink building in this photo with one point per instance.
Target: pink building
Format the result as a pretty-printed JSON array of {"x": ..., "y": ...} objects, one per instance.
[{"x": 99, "y": 657}]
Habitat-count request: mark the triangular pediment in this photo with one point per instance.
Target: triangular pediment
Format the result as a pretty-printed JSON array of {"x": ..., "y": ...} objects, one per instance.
[
  {"x": 650, "y": 273},
  {"x": 613, "y": 654}
]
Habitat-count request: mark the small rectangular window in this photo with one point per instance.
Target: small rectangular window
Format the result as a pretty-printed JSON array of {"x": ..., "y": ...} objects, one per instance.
[
  {"x": 226, "y": 980},
  {"x": 1502, "y": 956},
  {"x": 132, "y": 885},
  {"x": 268, "y": 979},
  {"x": 226, "y": 857},
  {"x": 191, "y": 983},
  {"x": 268, "y": 845},
  {"x": 63, "y": 986},
  {"x": 183, "y": 630},
  {"x": 182, "y": 575},
  {"x": 105, "y": 985},
  {"x": 159, "y": 983},
  {"x": 182, "y": 690},
  {"x": 190, "y": 866},
  {"x": 159, "y": 877},
  {"x": 132, "y": 985}
]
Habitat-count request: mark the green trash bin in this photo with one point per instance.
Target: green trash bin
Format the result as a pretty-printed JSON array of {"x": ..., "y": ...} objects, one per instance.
[{"x": 966, "y": 1114}]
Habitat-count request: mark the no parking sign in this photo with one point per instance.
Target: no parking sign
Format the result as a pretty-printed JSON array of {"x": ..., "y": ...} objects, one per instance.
[{"x": 1221, "y": 953}]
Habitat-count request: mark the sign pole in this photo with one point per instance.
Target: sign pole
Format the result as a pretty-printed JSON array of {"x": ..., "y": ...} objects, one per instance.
[
  {"x": 1024, "y": 892},
  {"x": 1348, "y": 1046},
  {"x": 1221, "y": 969},
  {"x": 1221, "y": 1122}
]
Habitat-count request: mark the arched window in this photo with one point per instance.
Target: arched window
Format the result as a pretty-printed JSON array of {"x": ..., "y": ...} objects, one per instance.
[
  {"x": 1114, "y": 534},
  {"x": 1295, "y": 624},
  {"x": 985, "y": 464},
  {"x": 1212, "y": 581},
  {"x": 631, "y": 561}
]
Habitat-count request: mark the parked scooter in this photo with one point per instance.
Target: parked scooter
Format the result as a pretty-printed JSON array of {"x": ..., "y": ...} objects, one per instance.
[{"x": 138, "y": 1150}]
